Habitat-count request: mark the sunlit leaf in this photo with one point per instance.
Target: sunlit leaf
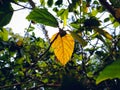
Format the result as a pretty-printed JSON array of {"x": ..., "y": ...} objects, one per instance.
[
  {"x": 106, "y": 19},
  {"x": 78, "y": 38},
  {"x": 20, "y": 73},
  {"x": 104, "y": 33},
  {"x": 4, "y": 34},
  {"x": 97, "y": 35},
  {"x": 63, "y": 47},
  {"x": 75, "y": 25},
  {"x": 63, "y": 13},
  {"x": 43, "y": 16},
  {"x": 110, "y": 72},
  {"x": 94, "y": 12},
  {"x": 22, "y": 0},
  {"x": 116, "y": 24},
  {"x": 85, "y": 8},
  {"x": 20, "y": 60},
  {"x": 42, "y": 2}
]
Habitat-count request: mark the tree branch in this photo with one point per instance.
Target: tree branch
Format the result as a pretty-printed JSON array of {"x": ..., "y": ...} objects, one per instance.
[
  {"x": 46, "y": 85},
  {"x": 45, "y": 33},
  {"x": 32, "y": 4},
  {"x": 112, "y": 10},
  {"x": 21, "y": 5}
]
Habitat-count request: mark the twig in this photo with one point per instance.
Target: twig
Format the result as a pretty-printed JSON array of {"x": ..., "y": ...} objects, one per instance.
[
  {"x": 45, "y": 32},
  {"x": 109, "y": 8},
  {"x": 41, "y": 56},
  {"x": 21, "y": 5},
  {"x": 32, "y": 4},
  {"x": 18, "y": 9},
  {"x": 16, "y": 84},
  {"x": 94, "y": 47},
  {"x": 47, "y": 85},
  {"x": 26, "y": 33},
  {"x": 49, "y": 46}
]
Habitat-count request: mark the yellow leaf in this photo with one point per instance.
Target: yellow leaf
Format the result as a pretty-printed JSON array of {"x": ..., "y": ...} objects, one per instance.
[
  {"x": 78, "y": 38},
  {"x": 104, "y": 33},
  {"x": 63, "y": 47}
]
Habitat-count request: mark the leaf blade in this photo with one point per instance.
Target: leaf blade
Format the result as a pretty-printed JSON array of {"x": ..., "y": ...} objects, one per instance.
[
  {"x": 43, "y": 16},
  {"x": 4, "y": 34},
  {"x": 78, "y": 38},
  {"x": 63, "y": 13},
  {"x": 104, "y": 33},
  {"x": 6, "y": 12},
  {"x": 110, "y": 72},
  {"x": 63, "y": 47}
]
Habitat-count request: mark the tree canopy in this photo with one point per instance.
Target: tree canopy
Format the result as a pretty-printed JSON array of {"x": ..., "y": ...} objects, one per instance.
[{"x": 83, "y": 55}]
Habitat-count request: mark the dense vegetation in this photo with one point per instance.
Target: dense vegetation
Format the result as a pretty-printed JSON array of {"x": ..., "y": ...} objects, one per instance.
[{"x": 83, "y": 55}]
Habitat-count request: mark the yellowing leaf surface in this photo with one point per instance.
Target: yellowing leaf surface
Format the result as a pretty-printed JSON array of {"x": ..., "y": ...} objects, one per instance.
[{"x": 63, "y": 47}]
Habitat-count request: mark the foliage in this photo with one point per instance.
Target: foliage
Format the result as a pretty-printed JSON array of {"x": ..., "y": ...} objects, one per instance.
[
  {"x": 6, "y": 12},
  {"x": 110, "y": 72},
  {"x": 83, "y": 55},
  {"x": 63, "y": 47},
  {"x": 43, "y": 14}
]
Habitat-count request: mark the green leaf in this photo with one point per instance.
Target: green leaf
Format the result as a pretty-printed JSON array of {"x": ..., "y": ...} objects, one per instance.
[
  {"x": 58, "y": 2},
  {"x": 22, "y": 0},
  {"x": 97, "y": 35},
  {"x": 6, "y": 12},
  {"x": 20, "y": 60},
  {"x": 63, "y": 13},
  {"x": 42, "y": 2},
  {"x": 43, "y": 16},
  {"x": 45, "y": 80},
  {"x": 104, "y": 33},
  {"x": 106, "y": 19},
  {"x": 94, "y": 12},
  {"x": 78, "y": 38},
  {"x": 116, "y": 24},
  {"x": 4, "y": 34},
  {"x": 115, "y": 3},
  {"x": 20, "y": 73},
  {"x": 110, "y": 72},
  {"x": 50, "y": 3}
]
